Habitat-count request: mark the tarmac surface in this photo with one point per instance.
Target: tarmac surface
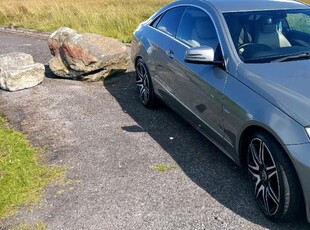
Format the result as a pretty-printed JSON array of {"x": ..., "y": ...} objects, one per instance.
[{"x": 111, "y": 146}]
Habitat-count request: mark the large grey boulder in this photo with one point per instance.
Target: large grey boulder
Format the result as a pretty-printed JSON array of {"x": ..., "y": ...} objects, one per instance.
[
  {"x": 18, "y": 71},
  {"x": 89, "y": 57}
]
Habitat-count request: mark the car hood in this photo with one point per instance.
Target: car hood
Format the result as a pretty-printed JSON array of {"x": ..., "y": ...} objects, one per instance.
[{"x": 284, "y": 84}]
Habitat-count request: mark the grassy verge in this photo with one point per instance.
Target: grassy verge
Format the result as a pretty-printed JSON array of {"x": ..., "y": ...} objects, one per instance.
[
  {"x": 113, "y": 18},
  {"x": 22, "y": 177}
]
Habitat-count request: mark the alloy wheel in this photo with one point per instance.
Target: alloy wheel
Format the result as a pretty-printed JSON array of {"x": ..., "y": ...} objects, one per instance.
[
  {"x": 264, "y": 176},
  {"x": 143, "y": 83}
]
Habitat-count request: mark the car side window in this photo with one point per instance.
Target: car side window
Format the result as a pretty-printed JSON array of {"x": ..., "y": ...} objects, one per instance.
[
  {"x": 196, "y": 29},
  {"x": 299, "y": 22},
  {"x": 155, "y": 22},
  {"x": 169, "y": 22}
]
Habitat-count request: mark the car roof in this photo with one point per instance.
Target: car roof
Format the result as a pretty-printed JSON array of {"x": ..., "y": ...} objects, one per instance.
[{"x": 254, "y": 5}]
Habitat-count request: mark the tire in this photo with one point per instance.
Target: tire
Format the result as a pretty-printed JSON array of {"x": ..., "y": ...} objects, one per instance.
[
  {"x": 145, "y": 85},
  {"x": 274, "y": 181}
]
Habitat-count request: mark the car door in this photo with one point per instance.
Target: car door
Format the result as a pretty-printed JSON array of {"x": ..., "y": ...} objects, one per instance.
[
  {"x": 162, "y": 33},
  {"x": 198, "y": 88}
]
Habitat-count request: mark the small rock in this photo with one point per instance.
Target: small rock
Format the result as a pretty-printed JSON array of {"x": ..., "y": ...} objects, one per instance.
[
  {"x": 15, "y": 59},
  {"x": 89, "y": 57},
  {"x": 18, "y": 71}
]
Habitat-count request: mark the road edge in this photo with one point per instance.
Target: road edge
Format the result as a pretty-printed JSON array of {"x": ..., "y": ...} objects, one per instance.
[{"x": 24, "y": 32}]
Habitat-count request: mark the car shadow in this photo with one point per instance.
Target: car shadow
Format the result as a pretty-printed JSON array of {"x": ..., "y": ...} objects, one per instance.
[{"x": 200, "y": 160}]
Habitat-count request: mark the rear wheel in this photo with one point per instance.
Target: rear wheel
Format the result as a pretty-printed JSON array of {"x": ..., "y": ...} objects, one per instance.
[
  {"x": 274, "y": 181},
  {"x": 144, "y": 84}
]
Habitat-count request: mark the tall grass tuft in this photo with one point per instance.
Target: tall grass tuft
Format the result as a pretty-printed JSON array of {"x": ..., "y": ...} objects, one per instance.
[{"x": 113, "y": 18}]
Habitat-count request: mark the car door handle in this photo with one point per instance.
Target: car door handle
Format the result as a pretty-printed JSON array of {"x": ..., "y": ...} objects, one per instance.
[{"x": 170, "y": 54}]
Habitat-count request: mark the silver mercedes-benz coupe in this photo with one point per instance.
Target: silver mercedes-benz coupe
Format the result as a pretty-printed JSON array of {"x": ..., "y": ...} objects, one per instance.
[{"x": 239, "y": 72}]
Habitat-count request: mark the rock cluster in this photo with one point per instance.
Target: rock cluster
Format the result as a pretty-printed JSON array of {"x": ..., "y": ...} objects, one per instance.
[
  {"x": 18, "y": 71},
  {"x": 89, "y": 57}
]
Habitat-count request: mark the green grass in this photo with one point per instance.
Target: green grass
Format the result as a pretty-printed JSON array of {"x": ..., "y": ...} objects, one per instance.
[
  {"x": 37, "y": 226},
  {"x": 113, "y": 18},
  {"x": 2, "y": 121},
  {"x": 163, "y": 168},
  {"x": 22, "y": 177}
]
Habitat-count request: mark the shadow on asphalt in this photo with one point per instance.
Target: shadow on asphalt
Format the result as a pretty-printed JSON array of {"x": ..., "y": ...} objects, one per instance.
[{"x": 200, "y": 160}]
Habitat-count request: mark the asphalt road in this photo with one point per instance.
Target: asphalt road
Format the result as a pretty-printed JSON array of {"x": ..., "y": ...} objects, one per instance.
[{"x": 110, "y": 145}]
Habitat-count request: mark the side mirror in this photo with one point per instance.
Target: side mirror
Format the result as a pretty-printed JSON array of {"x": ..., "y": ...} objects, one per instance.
[{"x": 201, "y": 55}]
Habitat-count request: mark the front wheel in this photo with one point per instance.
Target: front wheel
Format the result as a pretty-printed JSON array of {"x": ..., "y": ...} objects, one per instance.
[
  {"x": 144, "y": 84},
  {"x": 273, "y": 178}
]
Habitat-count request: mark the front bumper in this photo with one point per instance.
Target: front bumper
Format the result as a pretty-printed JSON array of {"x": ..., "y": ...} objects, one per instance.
[{"x": 300, "y": 156}]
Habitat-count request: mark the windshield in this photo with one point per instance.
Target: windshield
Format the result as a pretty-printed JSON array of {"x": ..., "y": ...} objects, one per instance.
[{"x": 269, "y": 36}]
